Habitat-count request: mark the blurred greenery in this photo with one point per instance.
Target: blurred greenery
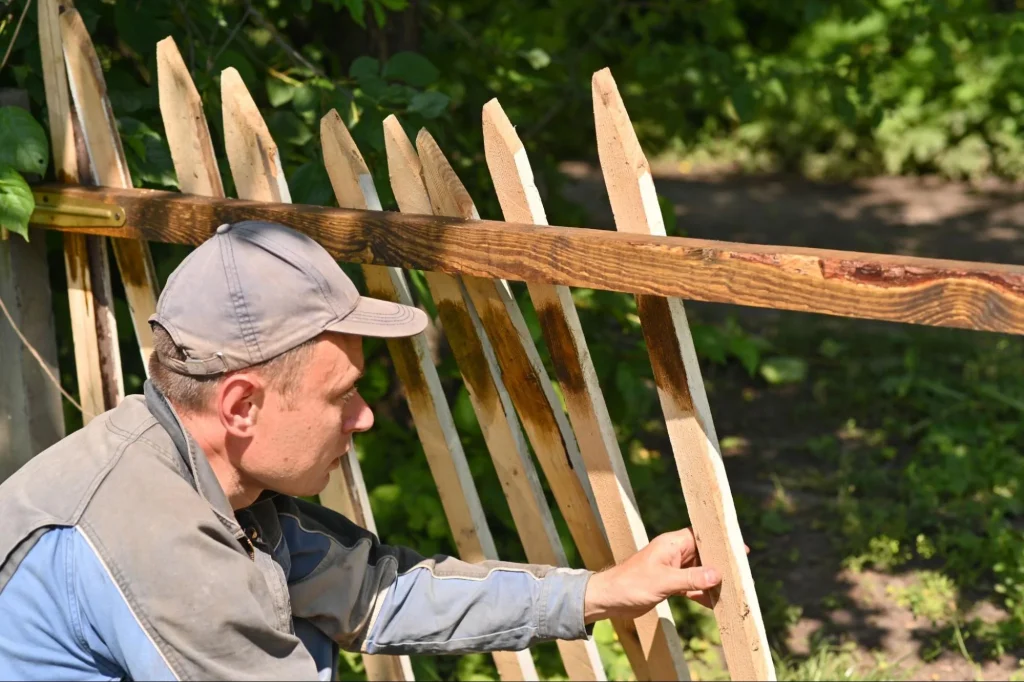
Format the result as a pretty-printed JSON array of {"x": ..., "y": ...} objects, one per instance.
[{"x": 905, "y": 441}]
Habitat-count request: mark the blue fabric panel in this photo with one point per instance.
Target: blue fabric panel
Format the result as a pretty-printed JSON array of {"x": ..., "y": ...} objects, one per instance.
[
  {"x": 64, "y": 618},
  {"x": 431, "y": 614}
]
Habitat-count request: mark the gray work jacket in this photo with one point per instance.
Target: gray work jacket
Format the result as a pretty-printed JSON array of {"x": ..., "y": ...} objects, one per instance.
[{"x": 120, "y": 557}]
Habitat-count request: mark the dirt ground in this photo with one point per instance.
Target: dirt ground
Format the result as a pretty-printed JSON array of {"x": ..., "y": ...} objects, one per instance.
[{"x": 920, "y": 217}]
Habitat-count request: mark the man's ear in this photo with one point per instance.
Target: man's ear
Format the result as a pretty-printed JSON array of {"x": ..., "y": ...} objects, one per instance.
[{"x": 239, "y": 402}]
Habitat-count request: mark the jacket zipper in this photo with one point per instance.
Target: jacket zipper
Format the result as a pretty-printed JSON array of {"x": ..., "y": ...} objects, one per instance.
[{"x": 250, "y": 542}]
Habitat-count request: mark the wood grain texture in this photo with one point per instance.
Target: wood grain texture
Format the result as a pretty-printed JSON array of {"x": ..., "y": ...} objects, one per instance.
[
  {"x": 81, "y": 303},
  {"x": 354, "y": 188},
  {"x": 106, "y": 156},
  {"x": 487, "y": 393},
  {"x": 523, "y": 372},
  {"x": 525, "y": 378},
  {"x": 684, "y": 402},
  {"x": 253, "y": 156},
  {"x": 520, "y": 202},
  {"x": 185, "y": 126},
  {"x": 928, "y": 291},
  {"x": 257, "y": 174}
]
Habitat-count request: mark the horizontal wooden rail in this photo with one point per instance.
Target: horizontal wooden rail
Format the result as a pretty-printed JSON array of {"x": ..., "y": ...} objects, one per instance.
[{"x": 981, "y": 296}]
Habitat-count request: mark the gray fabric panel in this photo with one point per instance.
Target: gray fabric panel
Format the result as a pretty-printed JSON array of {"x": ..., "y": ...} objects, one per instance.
[{"x": 209, "y": 608}]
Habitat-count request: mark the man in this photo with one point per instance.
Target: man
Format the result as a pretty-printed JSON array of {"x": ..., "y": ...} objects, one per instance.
[{"x": 168, "y": 538}]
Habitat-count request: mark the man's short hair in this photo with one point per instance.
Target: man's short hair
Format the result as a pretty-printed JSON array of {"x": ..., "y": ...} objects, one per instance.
[{"x": 193, "y": 394}]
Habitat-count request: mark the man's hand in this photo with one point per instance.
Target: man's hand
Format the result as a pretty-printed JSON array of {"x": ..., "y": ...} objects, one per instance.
[{"x": 668, "y": 566}]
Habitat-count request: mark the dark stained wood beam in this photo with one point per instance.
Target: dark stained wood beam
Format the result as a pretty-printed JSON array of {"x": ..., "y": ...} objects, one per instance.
[{"x": 980, "y": 296}]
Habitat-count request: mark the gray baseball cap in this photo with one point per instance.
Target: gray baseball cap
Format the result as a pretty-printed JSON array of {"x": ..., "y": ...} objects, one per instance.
[{"x": 257, "y": 289}]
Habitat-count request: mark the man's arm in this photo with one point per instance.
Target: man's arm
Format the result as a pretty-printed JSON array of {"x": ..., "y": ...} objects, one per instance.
[{"x": 382, "y": 599}]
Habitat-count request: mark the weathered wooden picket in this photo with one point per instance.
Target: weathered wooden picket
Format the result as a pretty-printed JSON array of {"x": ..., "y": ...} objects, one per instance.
[{"x": 466, "y": 262}]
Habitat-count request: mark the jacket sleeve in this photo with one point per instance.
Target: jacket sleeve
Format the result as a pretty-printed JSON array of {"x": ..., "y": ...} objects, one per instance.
[{"x": 382, "y": 599}]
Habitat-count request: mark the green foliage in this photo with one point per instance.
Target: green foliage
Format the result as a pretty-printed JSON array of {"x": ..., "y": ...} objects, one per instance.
[
  {"x": 16, "y": 201},
  {"x": 23, "y": 149},
  {"x": 828, "y": 662},
  {"x": 23, "y": 144},
  {"x": 932, "y": 596}
]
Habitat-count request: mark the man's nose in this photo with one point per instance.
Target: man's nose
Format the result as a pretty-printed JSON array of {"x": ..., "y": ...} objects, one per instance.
[{"x": 358, "y": 415}]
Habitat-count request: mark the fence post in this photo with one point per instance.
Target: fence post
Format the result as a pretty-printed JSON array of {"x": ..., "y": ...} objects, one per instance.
[
  {"x": 684, "y": 402},
  {"x": 31, "y": 416},
  {"x": 90, "y": 301},
  {"x": 521, "y": 203}
]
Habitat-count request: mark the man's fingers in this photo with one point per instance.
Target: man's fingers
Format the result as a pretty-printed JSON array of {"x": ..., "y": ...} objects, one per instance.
[
  {"x": 682, "y": 546},
  {"x": 701, "y": 597},
  {"x": 695, "y": 579}
]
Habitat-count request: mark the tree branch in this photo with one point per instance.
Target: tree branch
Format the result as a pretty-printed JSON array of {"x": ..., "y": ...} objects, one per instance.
[
  {"x": 279, "y": 39},
  {"x": 14, "y": 38}
]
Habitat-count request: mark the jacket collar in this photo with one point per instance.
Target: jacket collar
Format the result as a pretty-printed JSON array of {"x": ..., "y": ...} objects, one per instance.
[{"x": 197, "y": 467}]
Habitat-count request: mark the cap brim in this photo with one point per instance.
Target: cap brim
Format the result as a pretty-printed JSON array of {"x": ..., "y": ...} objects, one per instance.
[{"x": 382, "y": 319}]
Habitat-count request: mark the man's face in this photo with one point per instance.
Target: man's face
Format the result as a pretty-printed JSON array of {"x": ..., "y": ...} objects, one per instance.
[{"x": 301, "y": 438}]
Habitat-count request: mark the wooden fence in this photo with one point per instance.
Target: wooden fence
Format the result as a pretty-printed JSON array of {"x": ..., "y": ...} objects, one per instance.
[{"x": 466, "y": 261}]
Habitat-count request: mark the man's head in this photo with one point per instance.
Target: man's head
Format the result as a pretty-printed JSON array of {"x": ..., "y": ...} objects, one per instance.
[{"x": 258, "y": 346}]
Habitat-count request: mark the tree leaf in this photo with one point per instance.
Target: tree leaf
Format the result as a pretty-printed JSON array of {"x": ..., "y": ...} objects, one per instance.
[
  {"x": 306, "y": 98},
  {"x": 784, "y": 370},
  {"x": 748, "y": 352},
  {"x": 743, "y": 101},
  {"x": 23, "y": 144},
  {"x": 279, "y": 92},
  {"x": 537, "y": 57},
  {"x": 16, "y": 201},
  {"x": 412, "y": 68},
  {"x": 310, "y": 184},
  {"x": 364, "y": 67},
  {"x": 357, "y": 8},
  {"x": 430, "y": 104}
]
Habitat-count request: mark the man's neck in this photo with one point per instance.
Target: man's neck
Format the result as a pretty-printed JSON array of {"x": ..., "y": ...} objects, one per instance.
[{"x": 240, "y": 490}]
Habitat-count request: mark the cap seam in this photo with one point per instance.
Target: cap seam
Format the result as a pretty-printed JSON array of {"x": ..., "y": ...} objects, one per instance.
[
  {"x": 244, "y": 319},
  {"x": 310, "y": 269}
]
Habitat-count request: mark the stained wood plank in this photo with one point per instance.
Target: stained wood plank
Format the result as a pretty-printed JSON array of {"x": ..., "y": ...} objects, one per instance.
[
  {"x": 523, "y": 372},
  {"x": 928, "y": 291},
  {"x": 521, "y": 203},
  {"x": 683, "y": 400},
  {"x": 257, "y": 173},
  {"x": 530, "y": 389},
  {"x": 99, "y": 130},
  {"x": 353, "y": 186},
  {"x": 487, "y": 393},
  {"x": 185, "y": 125},
  {"x": 475, "y": 357},
  {"x": 434, "y": 423},
  {"x": 81, "y": 303}
]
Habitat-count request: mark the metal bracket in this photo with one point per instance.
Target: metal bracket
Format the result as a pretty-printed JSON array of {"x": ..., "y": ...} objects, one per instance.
[{"x": 53, "y": 208}]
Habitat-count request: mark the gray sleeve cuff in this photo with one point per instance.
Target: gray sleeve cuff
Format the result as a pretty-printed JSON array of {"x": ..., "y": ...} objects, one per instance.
[{"x": 561, "y": 605}]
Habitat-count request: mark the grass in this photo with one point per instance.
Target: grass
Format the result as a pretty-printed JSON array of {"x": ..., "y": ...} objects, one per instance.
[{"x": 829, "y": 662}]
